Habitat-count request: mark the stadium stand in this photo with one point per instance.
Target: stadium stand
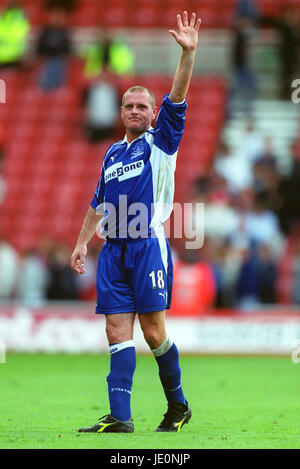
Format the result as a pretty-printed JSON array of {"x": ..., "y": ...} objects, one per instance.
[{"x": 51, "y": 171}]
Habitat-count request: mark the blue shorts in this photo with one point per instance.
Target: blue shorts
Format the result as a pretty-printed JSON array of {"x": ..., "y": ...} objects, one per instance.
[{"x": 134, "y": 277}]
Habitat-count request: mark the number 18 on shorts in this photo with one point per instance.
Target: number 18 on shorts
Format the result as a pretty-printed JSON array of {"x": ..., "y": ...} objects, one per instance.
[{"x": 136, "y": 277}]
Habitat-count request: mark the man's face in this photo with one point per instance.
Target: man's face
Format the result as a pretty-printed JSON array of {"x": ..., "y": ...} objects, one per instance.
[{"x": 137, "y": 112}]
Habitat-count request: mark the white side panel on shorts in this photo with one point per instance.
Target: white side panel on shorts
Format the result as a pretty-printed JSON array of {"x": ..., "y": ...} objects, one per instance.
[
  {"x": 163, "y": 251},
  {"x": 163, "y": 167}
]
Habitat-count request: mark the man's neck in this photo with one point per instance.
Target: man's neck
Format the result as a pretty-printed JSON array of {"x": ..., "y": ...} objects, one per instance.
[{"x": 130, "y": 136}]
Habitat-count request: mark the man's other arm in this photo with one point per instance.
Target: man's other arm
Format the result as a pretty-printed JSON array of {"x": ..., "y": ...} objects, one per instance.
[{"x": 87, "y": 231}]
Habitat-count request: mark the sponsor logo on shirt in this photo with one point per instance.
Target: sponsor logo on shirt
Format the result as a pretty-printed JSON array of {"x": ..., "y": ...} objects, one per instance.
[{"x": 122, "y": 172}]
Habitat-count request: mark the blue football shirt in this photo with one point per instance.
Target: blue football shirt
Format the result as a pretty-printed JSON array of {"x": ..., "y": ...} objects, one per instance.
[{"x": 136, "y": 188}]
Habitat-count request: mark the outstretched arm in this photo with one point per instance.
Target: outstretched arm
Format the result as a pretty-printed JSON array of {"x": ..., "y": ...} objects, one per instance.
[{"x": 187, "y": 38}]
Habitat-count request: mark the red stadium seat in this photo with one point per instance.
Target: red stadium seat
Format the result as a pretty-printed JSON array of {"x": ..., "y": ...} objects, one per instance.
[
  {"x": 144, "y": 17},
  {"x": 271, "y": 7},
  {"x": 117, "y": 16},
  {"x": 86, "y": 15}
]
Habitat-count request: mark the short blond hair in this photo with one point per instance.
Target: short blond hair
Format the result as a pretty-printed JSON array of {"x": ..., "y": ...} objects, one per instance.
[{"x": 136, "y": 89}]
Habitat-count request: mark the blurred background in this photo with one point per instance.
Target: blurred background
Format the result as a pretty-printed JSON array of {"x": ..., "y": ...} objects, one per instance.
[{"x": 65, "y": 65}]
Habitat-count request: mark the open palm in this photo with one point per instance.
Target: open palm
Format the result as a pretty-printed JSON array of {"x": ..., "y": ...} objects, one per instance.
[{"x": 187, "y": 34}]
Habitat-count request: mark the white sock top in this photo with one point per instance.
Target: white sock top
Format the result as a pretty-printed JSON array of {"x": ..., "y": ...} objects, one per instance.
[
  {"x": 163, "y": 348},
  {"x": 118, "y": 347}
]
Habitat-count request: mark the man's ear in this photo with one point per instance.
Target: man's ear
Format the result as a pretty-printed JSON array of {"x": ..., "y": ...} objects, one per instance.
[{"x": 154, "y": 112}]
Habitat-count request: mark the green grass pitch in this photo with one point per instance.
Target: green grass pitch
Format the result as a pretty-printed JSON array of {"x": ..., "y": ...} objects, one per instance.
[{"x": 237, "y": 402}]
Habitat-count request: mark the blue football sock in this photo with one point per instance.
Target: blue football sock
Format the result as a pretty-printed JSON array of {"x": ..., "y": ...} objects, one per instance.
[
  {"x": 167, "y": 358},
  {"x": 122, "y": 366}
]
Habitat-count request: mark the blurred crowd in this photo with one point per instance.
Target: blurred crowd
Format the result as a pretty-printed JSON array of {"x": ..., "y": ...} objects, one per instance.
[
  {"x": 245, "y": 28},
  {"x": 251, "y": 252},
  {"x": 251, "y": 224},
  {"x": 43, "y": 273}
]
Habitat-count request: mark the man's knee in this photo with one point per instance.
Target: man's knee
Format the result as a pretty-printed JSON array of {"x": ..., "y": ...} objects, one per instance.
[
  {"x": 119, "y": 329},
  {"x": 153, "y": 337},
  {"x": 153, "y": 327},
  {"x": 113, "y": 334}
]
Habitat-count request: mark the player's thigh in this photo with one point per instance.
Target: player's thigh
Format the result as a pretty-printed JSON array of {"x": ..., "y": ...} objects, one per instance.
[
  {"x": 153, "y": 325},
  {"x": 114, "y": 294},
  {"x": 119, "y": 327},
  {"x": 151, "y": 275}
]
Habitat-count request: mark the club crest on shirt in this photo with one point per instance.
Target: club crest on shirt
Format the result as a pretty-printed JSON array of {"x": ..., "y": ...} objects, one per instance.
[
  {"x": 138, "y": 149},
  {"x": 122, "y": 172}
]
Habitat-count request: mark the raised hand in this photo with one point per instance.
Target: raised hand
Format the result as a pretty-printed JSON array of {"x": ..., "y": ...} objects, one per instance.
[{"x": 187, "y": 35}]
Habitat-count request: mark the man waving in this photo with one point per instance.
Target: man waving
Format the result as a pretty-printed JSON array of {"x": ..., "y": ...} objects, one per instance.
[{"x": 135, "y": 270}]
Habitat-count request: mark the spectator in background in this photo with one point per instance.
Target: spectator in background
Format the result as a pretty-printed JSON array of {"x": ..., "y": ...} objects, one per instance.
[
  {"x": 288, "y": 27},
  {"x": 266, "y": 177},
  {"x": 107, "y": 53},
  {"x": 252, "y": 143},
  {"x": 227, "y": 262},
  {"x": 267, "y": 275},
  {"x": 102, "y": 108},
  {"x": 289, "y": 30},
  {"x": 220, "y": 218},
  {"x": 244, "y": 82},
  {"x": 9, "y": 265},
  {"x": 256, "y": 282},
  {"x": 267, "y": 157},
  {"x": 54, "y": 47},
  {"x": 247, "y": 9},
  {"x": 62, "y": 281},
  {"x": 33, "y": 279},
  {"x": 289, "y": 210},
  {"x": 14, "y": 29},
  {"x": 262, "y": 225},
  {"x": 234, "y": 169}
]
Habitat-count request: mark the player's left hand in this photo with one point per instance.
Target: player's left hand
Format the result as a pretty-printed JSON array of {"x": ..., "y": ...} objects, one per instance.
[{"x": 187, "y": 35}]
